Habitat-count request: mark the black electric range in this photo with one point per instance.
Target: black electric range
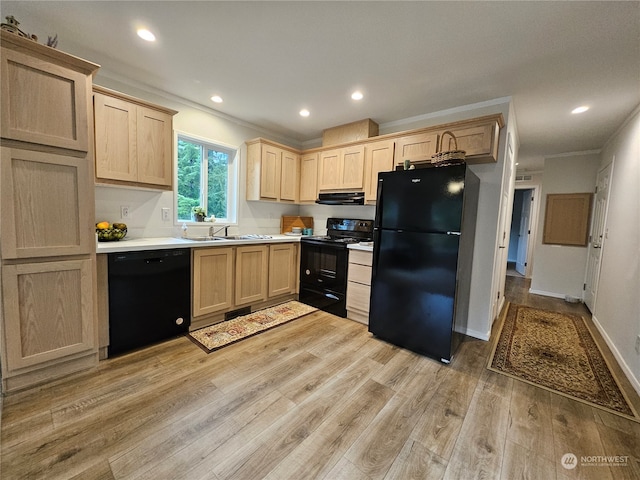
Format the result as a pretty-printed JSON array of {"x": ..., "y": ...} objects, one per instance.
[{"x": 324, "y": 263}]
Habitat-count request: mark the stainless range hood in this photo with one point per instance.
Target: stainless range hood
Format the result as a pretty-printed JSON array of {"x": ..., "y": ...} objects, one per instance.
[{"x": 342, "y": 198}]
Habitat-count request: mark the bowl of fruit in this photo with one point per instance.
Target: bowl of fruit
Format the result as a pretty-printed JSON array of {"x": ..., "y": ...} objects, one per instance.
[{"x": 110, "y": 232}]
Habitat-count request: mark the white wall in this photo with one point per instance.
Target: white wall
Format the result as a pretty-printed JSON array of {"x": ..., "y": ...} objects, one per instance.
[
  {"x": 560, "y": 270},
  {"x": 617, "y": 307}
]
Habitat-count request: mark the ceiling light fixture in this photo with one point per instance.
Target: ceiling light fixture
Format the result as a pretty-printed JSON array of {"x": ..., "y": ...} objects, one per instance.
[
  {"x": 357, "y": 95},
  {"x": 304, "y": 112},
  {"x": 216, "y": 99},
  {"x": 582, "y": 109},
  {"x": 145, "y": 34}
]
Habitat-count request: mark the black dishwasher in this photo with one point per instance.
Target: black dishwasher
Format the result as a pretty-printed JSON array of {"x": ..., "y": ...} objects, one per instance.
[{"x": 149, "y": 297}]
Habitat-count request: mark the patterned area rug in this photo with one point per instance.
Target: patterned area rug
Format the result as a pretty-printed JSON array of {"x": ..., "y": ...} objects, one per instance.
[
  {"x": 556, "y": 351},
  {"x": 225, "y": 333}
]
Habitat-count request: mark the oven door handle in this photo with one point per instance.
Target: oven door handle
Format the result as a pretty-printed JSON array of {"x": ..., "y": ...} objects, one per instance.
[{"x": 331, "y": 296}]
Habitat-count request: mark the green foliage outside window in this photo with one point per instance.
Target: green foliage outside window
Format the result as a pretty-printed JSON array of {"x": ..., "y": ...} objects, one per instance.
[{"x": 202, "y": 183}]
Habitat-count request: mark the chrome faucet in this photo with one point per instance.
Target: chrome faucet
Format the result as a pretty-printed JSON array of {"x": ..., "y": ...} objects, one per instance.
[{"x": 213, "y": 231}]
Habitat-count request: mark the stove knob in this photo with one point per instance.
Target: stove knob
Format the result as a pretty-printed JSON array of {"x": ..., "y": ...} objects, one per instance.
[{"x": 307, "y": 272}]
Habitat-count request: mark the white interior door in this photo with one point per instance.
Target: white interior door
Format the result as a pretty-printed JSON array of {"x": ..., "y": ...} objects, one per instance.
[
  {"x": 524, "y": 233},
  {"x": 598, "y": 237}
]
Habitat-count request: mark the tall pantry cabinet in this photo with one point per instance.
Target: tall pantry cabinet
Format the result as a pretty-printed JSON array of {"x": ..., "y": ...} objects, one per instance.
[{"x": 47, "y": 234}]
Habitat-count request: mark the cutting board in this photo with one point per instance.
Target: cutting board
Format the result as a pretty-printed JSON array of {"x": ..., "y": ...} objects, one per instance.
[{"x": 289, "y": 221}]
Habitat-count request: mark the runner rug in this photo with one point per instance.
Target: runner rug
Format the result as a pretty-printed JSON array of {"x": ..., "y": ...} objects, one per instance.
[
  {"x": 556, "y": 351},
  {"x": 225, "y": 333}
]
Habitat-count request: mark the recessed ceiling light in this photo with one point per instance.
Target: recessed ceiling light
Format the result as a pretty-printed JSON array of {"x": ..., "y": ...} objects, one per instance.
[
  {"x": 216, "y": 99},
  {"x": 582, "y": 109},
  {"x": 357, "y": 95},
  {"x": 304, "y": 112},
  {"x": 145, "y": 34}
]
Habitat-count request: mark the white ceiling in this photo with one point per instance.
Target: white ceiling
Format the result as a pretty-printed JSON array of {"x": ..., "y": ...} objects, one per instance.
[{"x": 270, "y": 59}]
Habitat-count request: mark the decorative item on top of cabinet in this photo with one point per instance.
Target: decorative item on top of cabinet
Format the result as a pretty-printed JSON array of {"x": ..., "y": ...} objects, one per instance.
[
  {"x": 378, "y": 157},
  {"x": 341, "y": 169},
  {"x": 273, "y": 172},
  {"x": 480, "y": 142},
  {"x": 133, "y": 141}
]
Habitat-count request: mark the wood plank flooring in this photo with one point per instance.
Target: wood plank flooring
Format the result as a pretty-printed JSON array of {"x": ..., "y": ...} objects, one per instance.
[{"x": 317, "y": 398}]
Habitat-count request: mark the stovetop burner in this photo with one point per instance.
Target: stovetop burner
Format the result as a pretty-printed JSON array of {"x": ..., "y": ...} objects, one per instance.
[{"x": 344, "y": 231}]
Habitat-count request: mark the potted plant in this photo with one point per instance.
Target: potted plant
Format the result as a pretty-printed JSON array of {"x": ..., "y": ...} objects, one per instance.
[{"x": 198, "y": 214}]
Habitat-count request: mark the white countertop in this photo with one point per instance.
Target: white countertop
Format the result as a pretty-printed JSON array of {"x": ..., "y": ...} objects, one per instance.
[
  {"x": 364, "y": 246},
  {"x": 160, "y": 243}
]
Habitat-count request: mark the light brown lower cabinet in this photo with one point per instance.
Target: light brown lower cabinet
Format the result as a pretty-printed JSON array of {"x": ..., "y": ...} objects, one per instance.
[
  {"x": 359, "y": 285},
  {"x": 283, "y": 277},
  {"x": 251, "y": 274},
  {"x": 226, "y": 278},
  {"x": 212, "y": 280},
  {"x": 48, "y": 316}
]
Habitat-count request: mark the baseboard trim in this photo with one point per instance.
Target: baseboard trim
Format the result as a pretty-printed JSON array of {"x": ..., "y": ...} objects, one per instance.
[
  {"x": 475, "y": 334},
  {"x": 547, "y": 294},
  {"x": 635, "y": 383}
]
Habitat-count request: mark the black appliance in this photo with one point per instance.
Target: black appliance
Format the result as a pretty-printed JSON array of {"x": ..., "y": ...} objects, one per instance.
[
  {"x": 341, "y": 198},
  {"x": 422, "y": 256},
  {"x": 149, "y": 297},
  {"x": 324, "y": 263}
]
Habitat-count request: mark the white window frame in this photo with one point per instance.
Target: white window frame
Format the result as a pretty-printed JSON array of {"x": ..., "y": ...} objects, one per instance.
[{"x": 233, "y": 177}]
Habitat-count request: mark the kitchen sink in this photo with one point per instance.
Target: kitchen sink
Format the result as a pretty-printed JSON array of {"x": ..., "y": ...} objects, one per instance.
[{"x": 204, "y": 238}]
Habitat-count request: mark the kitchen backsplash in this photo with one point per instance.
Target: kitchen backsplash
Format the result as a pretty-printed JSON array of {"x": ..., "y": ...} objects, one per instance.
[{"x": 145, "y": 213}]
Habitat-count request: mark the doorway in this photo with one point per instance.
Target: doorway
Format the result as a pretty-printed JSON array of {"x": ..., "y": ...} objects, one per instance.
[{"x": 523, "y": 230}]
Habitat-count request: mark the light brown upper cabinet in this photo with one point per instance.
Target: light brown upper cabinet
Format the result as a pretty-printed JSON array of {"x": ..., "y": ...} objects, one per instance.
[
  {"x": 378, "y": 157},
  {"x": 43, "y": 102},
  {"x": 133, "y": 140},
  {"x": 341, "y": 169},
  {"x": 480, "y": 142},
  {"x": 417, "y": 147},
  {"x": 273, "y": 172},
  {"x": 309, "y": 178}
]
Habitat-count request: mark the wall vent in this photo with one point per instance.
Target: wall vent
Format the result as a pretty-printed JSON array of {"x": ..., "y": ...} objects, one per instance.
[{"x": 523, "y": 178}]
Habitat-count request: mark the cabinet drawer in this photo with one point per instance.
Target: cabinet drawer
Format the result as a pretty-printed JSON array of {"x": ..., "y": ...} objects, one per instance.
[
  {"x": 359, "y": 273},
  {"x": 361, "y": 257},
  {"x": 358, "y": 296}
]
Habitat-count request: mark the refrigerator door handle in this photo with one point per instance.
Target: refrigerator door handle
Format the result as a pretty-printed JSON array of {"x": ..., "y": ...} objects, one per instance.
[{"x": 454, "y": 233}]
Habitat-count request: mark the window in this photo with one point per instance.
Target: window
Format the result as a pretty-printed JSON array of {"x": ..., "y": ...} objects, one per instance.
[{"x": 207, "y": 177}]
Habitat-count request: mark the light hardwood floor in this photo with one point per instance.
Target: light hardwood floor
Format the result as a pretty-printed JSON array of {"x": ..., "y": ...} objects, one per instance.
[{"x": 315, "y": 398}]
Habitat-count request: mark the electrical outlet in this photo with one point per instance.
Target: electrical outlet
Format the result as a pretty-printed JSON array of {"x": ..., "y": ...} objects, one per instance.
[
  {"x": 638, "y": 344},
  {"x": 166, "y": 214},
  {"x": 124, "y": 212}
]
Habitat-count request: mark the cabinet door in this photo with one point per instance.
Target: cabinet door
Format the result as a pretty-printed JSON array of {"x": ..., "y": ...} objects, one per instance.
[
  {"x": 417, "y": 148},
  {"x": 270, "y": 172},
  {"x": 329, "y": 170},
  {"x": 378, "y": 158},
  {"x": 154, "y": 133},
  {"x": 352, "y": 165},
  {"x": 251, "y": 274},
  {"x": 44, "y": 103},
  {"x": 48, "y": 312},
  {"x": 309, "y": 178},
  {"x": 212, "y": 280},
  {"x": 282, "y": 269},
  {"x": 289, "y": 176},
  {"x": 115, "y": 138},
  {"x": 46, "y": 204},
  {"x": 479, "y": 142}
]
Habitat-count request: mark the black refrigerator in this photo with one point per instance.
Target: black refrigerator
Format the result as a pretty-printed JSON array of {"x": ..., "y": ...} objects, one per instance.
[{"x": 423, "y": 237}]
